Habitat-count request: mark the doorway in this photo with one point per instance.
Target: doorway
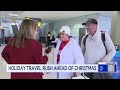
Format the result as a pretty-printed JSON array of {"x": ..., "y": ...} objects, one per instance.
[{"x": 81, "y": 34}]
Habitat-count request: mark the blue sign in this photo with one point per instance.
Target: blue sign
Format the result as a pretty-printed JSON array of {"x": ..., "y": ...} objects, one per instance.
[{"x": 102, "y": 68}]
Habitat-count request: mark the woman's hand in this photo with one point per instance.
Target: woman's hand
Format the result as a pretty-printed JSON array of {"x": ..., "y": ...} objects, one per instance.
[{"x": 45, "y": 54}]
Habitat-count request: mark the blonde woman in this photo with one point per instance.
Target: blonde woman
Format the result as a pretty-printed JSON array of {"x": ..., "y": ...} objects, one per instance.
[{"x": 24, "y": 49}]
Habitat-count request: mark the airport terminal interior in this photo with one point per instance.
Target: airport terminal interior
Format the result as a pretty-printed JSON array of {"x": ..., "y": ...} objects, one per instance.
[{"x": 52, "y": 21}]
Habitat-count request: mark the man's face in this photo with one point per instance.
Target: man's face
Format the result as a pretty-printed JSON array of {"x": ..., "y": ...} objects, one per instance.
[{"x": 91, "y": 27}]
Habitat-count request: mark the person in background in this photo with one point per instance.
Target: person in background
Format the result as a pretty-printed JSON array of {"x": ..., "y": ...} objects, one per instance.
[
  {"x": 48, "y": 39},
  {"x": 5, "y": 40},
  {"x": 67, "y": 51},
  {"x": 24, "y": 49},
  {"x": 56, "y": 40},
  {"x": 53, "y": 38}
]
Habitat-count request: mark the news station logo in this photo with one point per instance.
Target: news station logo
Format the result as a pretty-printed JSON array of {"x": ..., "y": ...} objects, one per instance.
[
  {"x": 110, "y": 67},
  {"x": 102, "y": 68}
]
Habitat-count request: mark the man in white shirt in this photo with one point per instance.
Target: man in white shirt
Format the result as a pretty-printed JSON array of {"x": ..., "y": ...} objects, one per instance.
[{"x": 95, "y": 50}]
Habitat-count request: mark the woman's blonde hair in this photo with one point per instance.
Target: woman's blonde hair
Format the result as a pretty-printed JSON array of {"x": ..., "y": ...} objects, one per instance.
[{"x": 26, "y": 31}]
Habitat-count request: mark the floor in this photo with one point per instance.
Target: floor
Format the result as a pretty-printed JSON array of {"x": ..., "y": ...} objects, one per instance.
[{"x": 6, "y": 75}]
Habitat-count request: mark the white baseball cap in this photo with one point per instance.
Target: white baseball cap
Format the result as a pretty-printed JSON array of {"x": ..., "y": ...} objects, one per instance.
[{"x": 66, "y": 30}]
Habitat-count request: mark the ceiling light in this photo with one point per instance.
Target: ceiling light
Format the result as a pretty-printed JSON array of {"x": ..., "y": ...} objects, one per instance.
[
  {"x": 14, "y": 15},
  {"x": 12, "y": 23},
  {"x": 44, "y": 23}
]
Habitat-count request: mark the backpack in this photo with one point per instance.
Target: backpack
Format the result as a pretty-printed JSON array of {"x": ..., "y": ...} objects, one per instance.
[{"x": 102, "y": 37}]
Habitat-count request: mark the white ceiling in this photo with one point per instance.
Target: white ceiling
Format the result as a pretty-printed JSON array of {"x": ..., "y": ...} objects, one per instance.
[{"x": 50, "y": 15}]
